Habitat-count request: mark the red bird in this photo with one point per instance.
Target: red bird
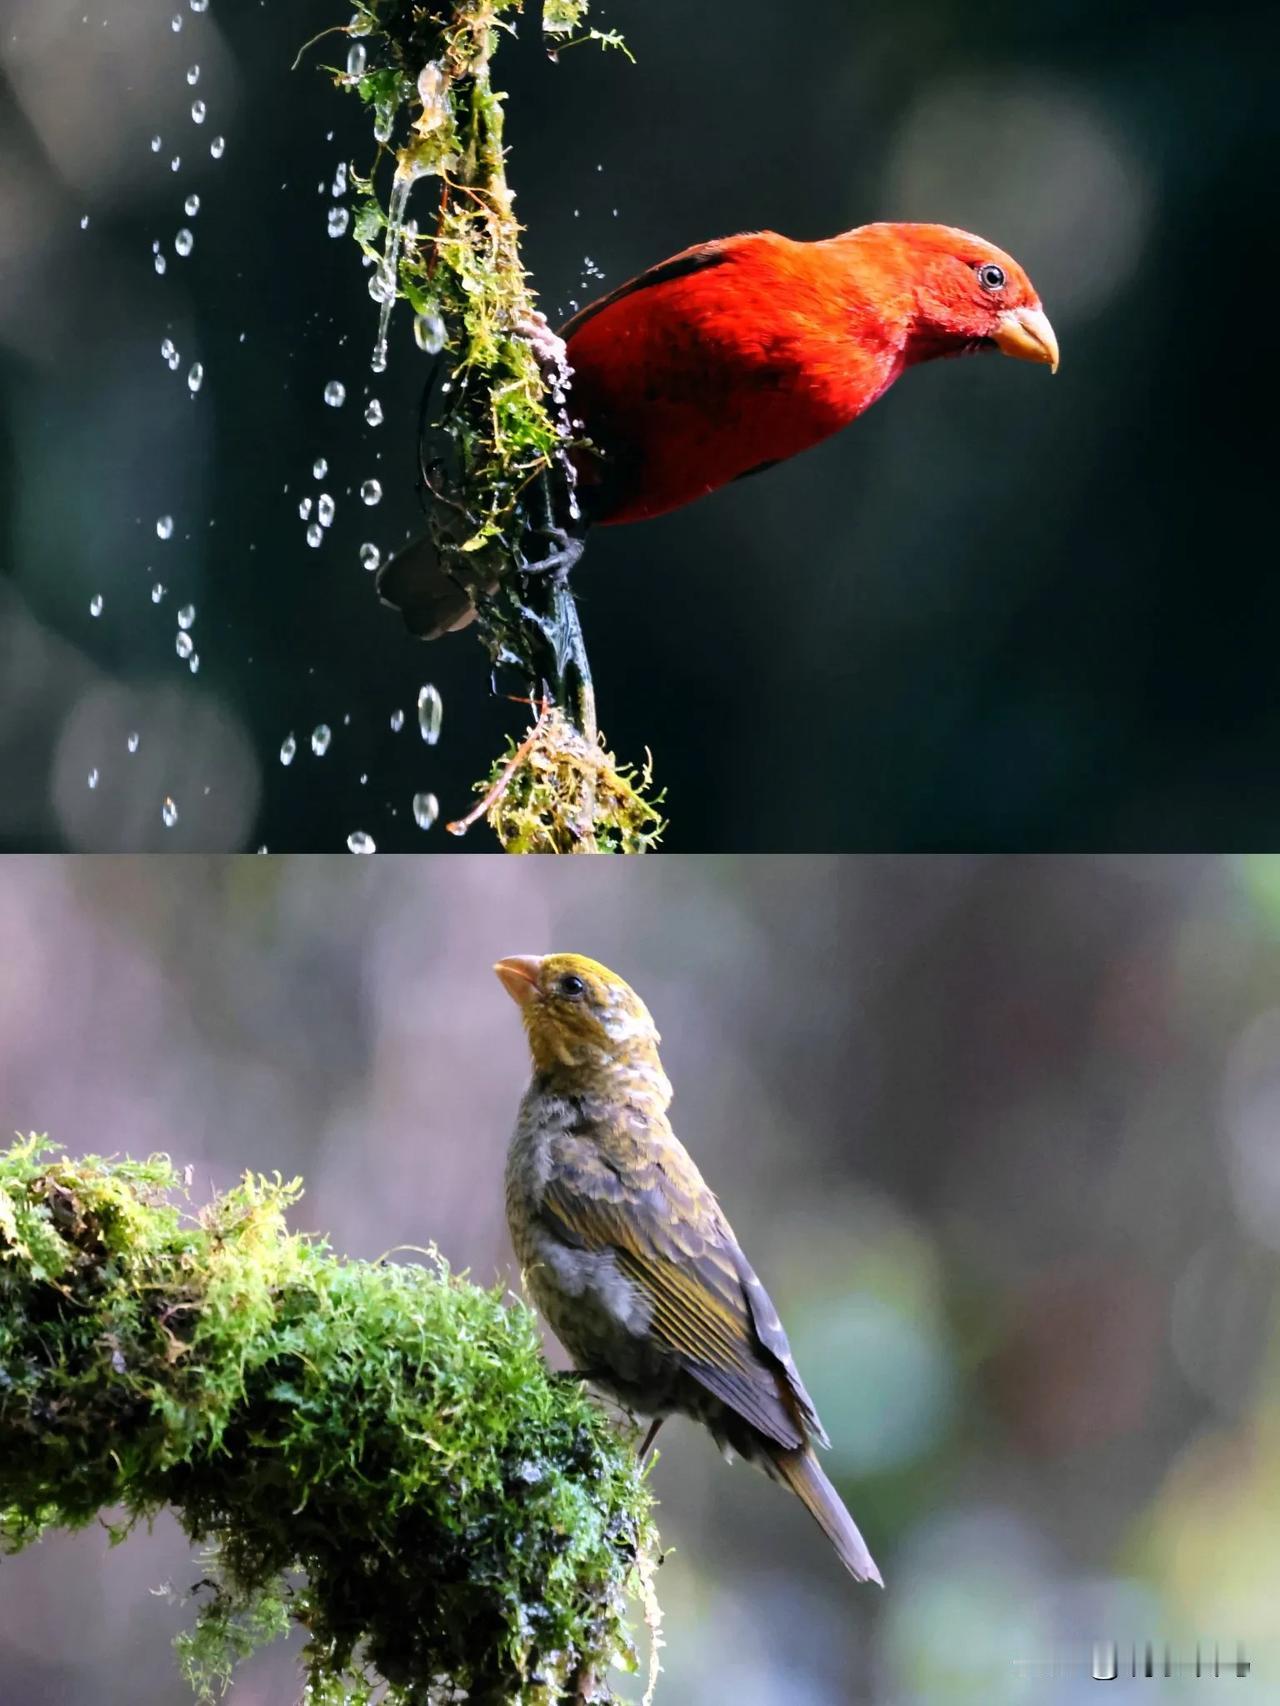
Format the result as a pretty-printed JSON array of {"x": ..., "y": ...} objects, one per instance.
[{"x": 737, "y": 354}]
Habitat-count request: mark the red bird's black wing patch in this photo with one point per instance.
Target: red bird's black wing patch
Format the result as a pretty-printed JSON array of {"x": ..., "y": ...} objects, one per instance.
[{"x": 697, "y": 259}]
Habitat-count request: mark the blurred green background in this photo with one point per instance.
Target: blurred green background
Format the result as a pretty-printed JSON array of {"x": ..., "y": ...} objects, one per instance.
[
  {"x": 1000, "y": 1137},
  {"x": 1001, "y": 612}
]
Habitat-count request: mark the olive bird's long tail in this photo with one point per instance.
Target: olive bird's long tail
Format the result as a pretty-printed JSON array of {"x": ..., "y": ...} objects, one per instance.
[{"x": 801, "y": 1471}]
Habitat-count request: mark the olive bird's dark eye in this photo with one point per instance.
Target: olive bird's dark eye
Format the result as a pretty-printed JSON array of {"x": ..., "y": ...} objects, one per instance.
[
  {"x": 572, "y": 986},
  {"x": 991, "y": 277}
]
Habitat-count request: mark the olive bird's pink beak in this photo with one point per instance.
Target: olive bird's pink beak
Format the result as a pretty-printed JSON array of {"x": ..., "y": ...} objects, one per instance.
[
  {"x": 519, "y": 976},
  {"x": 1027, "y": 334}
]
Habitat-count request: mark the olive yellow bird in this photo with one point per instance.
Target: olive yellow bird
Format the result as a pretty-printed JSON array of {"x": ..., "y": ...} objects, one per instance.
[{"x": 627, "y": 1252}]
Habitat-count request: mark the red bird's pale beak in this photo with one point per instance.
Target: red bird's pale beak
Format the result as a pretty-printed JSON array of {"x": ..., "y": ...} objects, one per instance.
[
  {"x": 519, "y": 976},
  {"x": 1027, "y": 334}
]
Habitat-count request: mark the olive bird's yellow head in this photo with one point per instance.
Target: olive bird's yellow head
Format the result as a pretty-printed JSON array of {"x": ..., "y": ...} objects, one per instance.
[{"x": 577, "y": 1012}]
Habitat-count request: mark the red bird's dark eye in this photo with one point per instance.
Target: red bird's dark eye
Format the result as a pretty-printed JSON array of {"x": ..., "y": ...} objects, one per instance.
[{"x": 991, "y": 277}]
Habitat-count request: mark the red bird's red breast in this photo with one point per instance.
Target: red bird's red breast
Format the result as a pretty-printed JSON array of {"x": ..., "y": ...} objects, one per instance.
[{"x": 719, "y": 362}]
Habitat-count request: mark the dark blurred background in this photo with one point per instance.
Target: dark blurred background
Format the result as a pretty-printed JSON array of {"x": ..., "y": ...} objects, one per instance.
[
  {"x": 1001, "y": 611},
  {"x": 999, "y": 1137}
]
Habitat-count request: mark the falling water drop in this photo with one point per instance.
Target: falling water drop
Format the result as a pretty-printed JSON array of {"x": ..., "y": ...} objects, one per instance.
[
  {"x": 373, "y": 412},
  {"x": 335, "y": 393},
  {"x": 186, "y": 616},
  {"x": 429, "y": 331},
  {"x": 92, "y": 778},
  {"x": 321, "y": 735},
  {"x": 183, "y": 644},
  {"x": 169, "y": 812},
  {"x": 397, "y": 722},
  {"x": 95, "y": 604},
  {"x": 370, "y": 556},
  {"x": 356, "y": 59},
  {"x": 339, "y": 219},
  {"x": 288, "y": 748},
  {"x": 198, "y": 110},
  {"x": 156, "y": 144},
  {"x": 319, "y": 468},
  {"x": 359, "y": 842},
  {"x": 304, "y": 509},
  {"x": 193, "y": 75},
  {"x": 370, "y": 493},
  {"x": 183, "y": 242},
  {"x": 161, "y": 263},
  {"x": 132, "y": 742},
  {"x": 164, "y": 527},
  {"x": 218, "y": 147},
  {"x": 430, "y": 713},
  {"x": 324, "y": 510},
  {"x": 315, "y": 533},
  {"x": 157, "y": 592},
  {"x": 191, "y": 206},
  {"x": 426, "y": 809},
  {"x": 195, "y": 379}
]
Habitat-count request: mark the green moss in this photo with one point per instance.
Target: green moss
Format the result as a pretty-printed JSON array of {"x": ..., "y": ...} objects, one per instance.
[
  {"x": 496, "y": 454},
  {"x": 374, "y": 1452}
]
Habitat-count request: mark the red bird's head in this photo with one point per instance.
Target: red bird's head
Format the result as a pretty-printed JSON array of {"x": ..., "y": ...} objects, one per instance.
[{"x": 960, "y": 293}]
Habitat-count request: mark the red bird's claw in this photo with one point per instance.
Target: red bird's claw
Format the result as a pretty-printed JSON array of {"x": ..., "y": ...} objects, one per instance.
[{"x": 551, "y": 351}]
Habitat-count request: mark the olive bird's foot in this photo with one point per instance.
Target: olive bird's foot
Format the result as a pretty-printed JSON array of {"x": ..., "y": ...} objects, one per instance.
[{"x": 649, "y": 1438}]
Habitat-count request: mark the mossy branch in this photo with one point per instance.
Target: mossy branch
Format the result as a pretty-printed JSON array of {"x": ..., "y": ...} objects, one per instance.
[
  {"x": 496, "y": 465},
  {"x": 375, "y": 1452}
]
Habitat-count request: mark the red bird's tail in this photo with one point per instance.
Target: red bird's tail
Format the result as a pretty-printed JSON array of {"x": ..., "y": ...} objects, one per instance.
[
  {"x": 801, "y": 1471},
  {"x": 431, "y": 601}
]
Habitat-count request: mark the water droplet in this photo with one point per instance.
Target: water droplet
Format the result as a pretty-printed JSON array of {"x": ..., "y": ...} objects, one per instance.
[
  {"x": 84, "y": 221},
  {"x": 168, "y": 812},
  {"x": 186, "y": 616},
  {"x": 339, "y": 219},
  {"x": 315, "y": 533},
  {"x": 356, "y": 59},
  {"x": 359, "y": 842},
  {"x": 199, "y": 5},
  {"x": 93, "y": 778},
  {"x": 335, "y": 393},
  {"x": 304, "y": 509},
  {"x": 175, "y": 23},
  {"x": 430, "y": 713},
  {"x": 161, "y": 263},
  {"x": 370, "y": 493},
  {"x": 319, "y": 468},
  {"x": 156, "y": 145},
  {"x": 183, "y": 644},
  {"x": 191, "y": 206},
  {"x": 397, "y": 722},
  {"x": 195, "y": 379},
  {"x": 324, "y": 510},
  {"x": 340, "y": 180},
  {"x": 429, "y": 331},
  {"x": 426, "y": 809},
  {"x": 382, "y": 285},
  {"x": 170, "y": 353},
  {"x": 373, "y": 412},
  {"x": 183, "y": 242},
  {"x": 132, "y": 742},
  {"x": 95, "y": 604},
  {"x": 157, "y": 592},
  {"x": 164, "y": 527},
  {"x": 194, "y": 666},
  {"x": 176, "y": 163},
  {"x": 218, "y": 146},
  {"x": 321, "y": 735},
  {"x": 378, "y": 360},
  {"x": 288, "y": 749},
  {"x": 193, "y": 75},
  {"x": 198, "y": 110},
  {"x": 370, "y": 557}
]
